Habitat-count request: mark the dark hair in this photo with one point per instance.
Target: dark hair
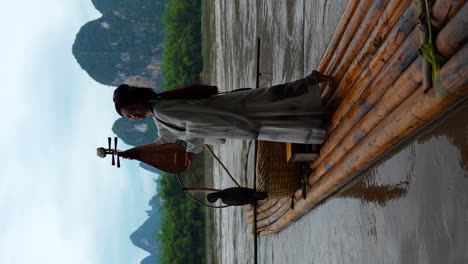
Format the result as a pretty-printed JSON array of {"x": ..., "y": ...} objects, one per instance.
[
  {"x": 212, "y": 197},
  {"x": 126, "y": 95}
]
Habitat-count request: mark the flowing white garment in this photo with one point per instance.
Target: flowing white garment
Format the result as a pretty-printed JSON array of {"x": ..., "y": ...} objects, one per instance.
[{"x": 289, "y": 112}]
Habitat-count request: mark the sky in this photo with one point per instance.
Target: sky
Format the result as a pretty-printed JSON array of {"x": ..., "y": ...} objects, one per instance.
[{"x": 59, "y": 202}]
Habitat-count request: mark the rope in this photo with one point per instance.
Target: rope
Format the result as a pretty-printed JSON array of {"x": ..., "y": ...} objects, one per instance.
[
  {"x": 195, "y": 199},
  {"x": 222, "y": 164}
]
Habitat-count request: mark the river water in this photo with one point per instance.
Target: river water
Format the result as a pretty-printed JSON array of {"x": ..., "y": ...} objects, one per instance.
[{"x": 412, "y": 207}]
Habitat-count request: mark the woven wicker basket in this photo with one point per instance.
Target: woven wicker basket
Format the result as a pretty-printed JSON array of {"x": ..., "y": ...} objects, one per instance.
[{"x": 276, "y": 176}]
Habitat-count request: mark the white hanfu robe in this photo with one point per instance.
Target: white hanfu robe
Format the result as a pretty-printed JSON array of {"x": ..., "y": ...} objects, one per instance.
[{"x": 289, "y": 112}]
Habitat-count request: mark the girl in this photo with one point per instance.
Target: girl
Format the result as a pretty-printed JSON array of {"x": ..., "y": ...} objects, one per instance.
[{"x": 290, "y": 112}]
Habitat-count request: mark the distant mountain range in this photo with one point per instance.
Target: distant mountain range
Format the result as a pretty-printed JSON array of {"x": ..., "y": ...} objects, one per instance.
[
  {"x": 135, "y": 133},
  {"x": 145, "y": 236},
  {"x": 124, "y": 45}
]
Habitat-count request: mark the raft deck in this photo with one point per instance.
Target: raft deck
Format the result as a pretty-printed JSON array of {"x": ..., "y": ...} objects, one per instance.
[{"x": 379, "y": 98}]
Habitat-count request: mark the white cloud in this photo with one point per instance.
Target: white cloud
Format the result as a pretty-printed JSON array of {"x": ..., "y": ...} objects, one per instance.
[
  {"x": 59, "y": 203},
  {"x": 32, "y": 220},
  {"x": 33, "y": 236},
  {"x": 31, "y": 33}
]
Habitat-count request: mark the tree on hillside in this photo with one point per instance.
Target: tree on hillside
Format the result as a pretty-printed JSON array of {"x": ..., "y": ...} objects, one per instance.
[{"x": 182, "y": 60}]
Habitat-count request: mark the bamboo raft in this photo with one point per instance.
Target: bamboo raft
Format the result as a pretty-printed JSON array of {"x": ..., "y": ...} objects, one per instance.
[{"x": 382, "y": 94}]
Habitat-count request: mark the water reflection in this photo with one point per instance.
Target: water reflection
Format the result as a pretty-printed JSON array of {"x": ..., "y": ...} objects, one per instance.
[{"x": 379, "y": 194}]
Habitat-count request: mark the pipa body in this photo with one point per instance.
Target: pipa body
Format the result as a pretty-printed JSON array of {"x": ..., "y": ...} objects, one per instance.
[{"x": 169, "y": 157}]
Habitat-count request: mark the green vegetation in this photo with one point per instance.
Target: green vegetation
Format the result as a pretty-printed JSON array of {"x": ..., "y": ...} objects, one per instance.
[
  {"x": 182, "y": 58},
  {"x": 182, "y": 233},
  {"x": 183, "y": 225}
]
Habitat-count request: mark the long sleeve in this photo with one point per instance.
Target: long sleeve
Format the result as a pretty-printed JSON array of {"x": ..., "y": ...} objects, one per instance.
[
  {"x": 194, "y": 144},
  {"x": 165, "y": 136}
]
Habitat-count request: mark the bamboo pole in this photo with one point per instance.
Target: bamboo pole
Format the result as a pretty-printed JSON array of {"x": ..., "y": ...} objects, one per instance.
[
  {"x": 367, "y": 100},
  {"x": 348, "y": 34},
  {"x": 273, "y": 218},
  {"x": 262, "y": 207},
  {"x": 338, "y": 33},
  {"x": 270, "y": 211},
  {"x": 260, "y": 216},
  {"x": 445, "y": 10},
  {"x": 354, "y": 115},
  {"x": 339, "y": 124},
  {"x": 454, "y": 35},
  {"x": 265, "y": 206},
  {"x": 418, "y": 110},
  {"x": 381, "y": 17},
  {"x": 391, "y": 24},
  {"x": 267, "y": 210},
  {"x": 359, "y": 34},
  {"x": 363, "y": 74},
  {"x": 364, "y": 118},
  {"x": 264, "y": 213},
  {"x": 399, "y": 62}
]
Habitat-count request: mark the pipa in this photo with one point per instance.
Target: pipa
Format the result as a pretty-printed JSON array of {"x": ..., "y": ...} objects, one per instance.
[{"x": 171, "y": 157}]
